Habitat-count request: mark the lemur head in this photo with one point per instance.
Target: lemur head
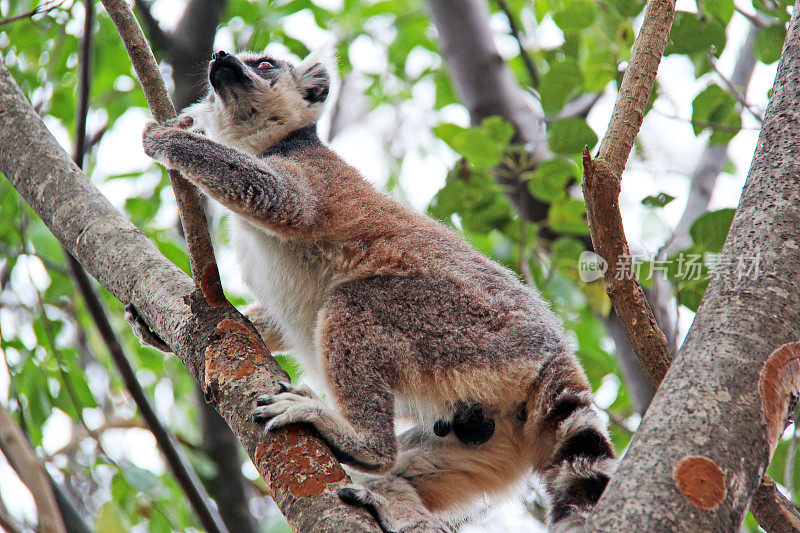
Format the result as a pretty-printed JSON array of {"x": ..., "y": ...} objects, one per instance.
[{"x": 256, "y": 100}]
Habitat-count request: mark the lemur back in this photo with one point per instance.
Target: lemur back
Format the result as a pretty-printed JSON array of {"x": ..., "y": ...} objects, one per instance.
[{"x": 387, "y": 306}]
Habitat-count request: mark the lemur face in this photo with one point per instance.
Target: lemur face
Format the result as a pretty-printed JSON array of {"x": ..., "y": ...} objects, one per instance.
[{"x": 255, "y": 99}]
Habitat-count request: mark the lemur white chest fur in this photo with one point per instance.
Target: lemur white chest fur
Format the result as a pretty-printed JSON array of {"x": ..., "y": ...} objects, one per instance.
[{"x": 288, "y": 279}]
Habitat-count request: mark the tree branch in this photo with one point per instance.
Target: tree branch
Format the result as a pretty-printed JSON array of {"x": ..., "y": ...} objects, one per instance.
[
  {"x": 44, "y": 7},
  {"x": 601, "y": 188},
  {"x": 735, "y": 327},
  {"x": 31, "y": 471},
  {"x": 216, "y": 343},
  {"x": 184, "y": 474},
  {"x": 523, "y": 53},
  {"x": 190, "y": 204},
  {"x": 772, "y": 510}
]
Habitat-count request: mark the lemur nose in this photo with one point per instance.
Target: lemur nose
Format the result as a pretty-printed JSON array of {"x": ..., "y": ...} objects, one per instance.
[{"x": 219, "y": 55}]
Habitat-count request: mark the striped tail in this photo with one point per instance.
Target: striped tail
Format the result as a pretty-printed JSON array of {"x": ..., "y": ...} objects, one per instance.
[{"x": 582, "y": 463}]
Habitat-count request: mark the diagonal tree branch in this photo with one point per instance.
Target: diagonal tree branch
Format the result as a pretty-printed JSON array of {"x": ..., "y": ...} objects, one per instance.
[
  {"x": 601, "y": 187},
  {"x": 190, "y": 203},
  {"x": 220, "y": 347}
]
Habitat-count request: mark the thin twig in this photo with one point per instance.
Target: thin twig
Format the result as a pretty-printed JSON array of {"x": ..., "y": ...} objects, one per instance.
[
  {"x": 7, "y": 522},
  {"x": 523, "y": 52},
  {"x": 734, "y": 89},
  {"x": 190, "y": 205},
  {"x": 601, "y": 189},
  {"x": 754, "y": 19},
  {"x": 179, "y": 466},
  {"x": 45, "y": 7}
]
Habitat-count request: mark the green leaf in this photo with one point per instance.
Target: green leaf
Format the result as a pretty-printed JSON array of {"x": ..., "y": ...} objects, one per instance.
[
  {"x": 482, "y": 146},
  {"x": 574, "y": 15},
  {"x": 716, "y": 109},
  {"x": 475, "y": 197},
  {"x": 568, "y": 136},
  {"x": 44, "y": 243},
  {"x": 174, "y": 253},
  {"x": 769, "y": 43},
  {"x": 710, "y": 229},
  {"x": 721, "y": 9},
  {"x": 628, "y": 8},
  {"x": 141, "y": 479},
  {"x": 568, "y": 216},
  {"x": 691, "y": 294},
  {"x": 110, "y": 520},
  {"x": 659, "y": 200},
  {"x": 691, "y": 34},
  {"x": 557, "y": 84},
  {"x": 550, "y": 179}
]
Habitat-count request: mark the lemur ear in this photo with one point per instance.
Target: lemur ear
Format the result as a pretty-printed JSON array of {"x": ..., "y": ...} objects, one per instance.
[{"x": 314, "y": 77}]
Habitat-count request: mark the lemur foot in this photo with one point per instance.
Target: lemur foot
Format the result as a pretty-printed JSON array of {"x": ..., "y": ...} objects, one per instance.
[
  {"x": 382, "y": 512},
  {"x": 147, "y": 336},
  {"x": 292, "y": 404}
]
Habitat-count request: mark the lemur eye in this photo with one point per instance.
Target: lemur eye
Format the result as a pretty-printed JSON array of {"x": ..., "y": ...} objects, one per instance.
[{"x": 265, "y": 65}]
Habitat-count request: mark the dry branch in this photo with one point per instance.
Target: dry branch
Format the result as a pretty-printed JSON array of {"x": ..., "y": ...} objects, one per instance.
[
  {"x": 190, "y": 203},
  {"x": 31, "y": 471},
  {"x": 602, "y": 180},
  {"x": 601, "y": 187},
  {"x": 179, "y": 466},
  {"x": 216, "y": 343}
]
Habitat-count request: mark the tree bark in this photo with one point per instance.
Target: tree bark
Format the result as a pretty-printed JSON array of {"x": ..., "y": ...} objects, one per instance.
[
  {"x": 187, "y": 49},
  {"x": 719, "y": 412},
  {"x": 220, "y": 348}
]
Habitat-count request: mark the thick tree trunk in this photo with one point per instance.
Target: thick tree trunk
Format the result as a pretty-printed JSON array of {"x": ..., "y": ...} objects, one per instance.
[{"x": 707, "y": 438}]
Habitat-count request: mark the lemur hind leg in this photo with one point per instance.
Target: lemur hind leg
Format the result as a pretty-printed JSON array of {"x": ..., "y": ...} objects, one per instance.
[
  {"x": 393, "y": 502},
  {"x": 351, "y": 439},
  {"x": 552, "y": 431}
]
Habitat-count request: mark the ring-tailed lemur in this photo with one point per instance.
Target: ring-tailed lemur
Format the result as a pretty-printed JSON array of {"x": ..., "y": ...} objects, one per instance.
[{"x": 392, "y": 308}]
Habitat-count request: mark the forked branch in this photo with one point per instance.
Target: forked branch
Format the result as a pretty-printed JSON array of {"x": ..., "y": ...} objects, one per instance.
[{"x": 602, "y": 178}]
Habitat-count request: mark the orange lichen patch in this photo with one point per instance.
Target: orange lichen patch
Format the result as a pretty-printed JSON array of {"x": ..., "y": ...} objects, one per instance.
[
  {"x": 778, "y": 381},
  {"x": 212, "y": 286},
  {"x": 287, "y": 462},
  {"x": 700, "y": 480},
  {"x": 235, "y": 352}
]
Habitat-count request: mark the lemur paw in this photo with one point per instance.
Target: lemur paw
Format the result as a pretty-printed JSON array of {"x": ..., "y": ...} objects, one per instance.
[
  {"x": 152, "y": 139},
  {"x": 146, "y": 335},
  {"x": 292, "y": 404}
]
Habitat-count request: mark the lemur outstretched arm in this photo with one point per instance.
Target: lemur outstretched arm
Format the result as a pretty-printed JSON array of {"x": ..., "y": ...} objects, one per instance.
[{"x": 270, "y": 191}]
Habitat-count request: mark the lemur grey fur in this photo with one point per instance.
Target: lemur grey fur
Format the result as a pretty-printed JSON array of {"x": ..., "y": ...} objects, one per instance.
[{"x": 390, "y": 308}]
